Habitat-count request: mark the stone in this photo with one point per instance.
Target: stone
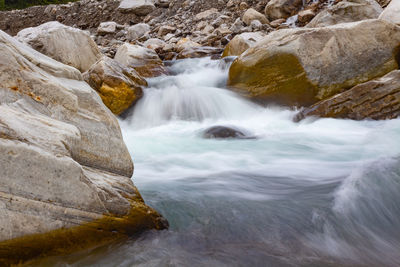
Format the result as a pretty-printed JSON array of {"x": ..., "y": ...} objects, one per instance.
[
  {"x": 224, "y": 132},
  {"x": 119, "y": 87},
  {"x": 138, "y": 7},
  {"x": 242, "y": 42},
  {"x": 186, "y": 43},
  {"x": 276, "y": 23},
  {"x": 137, "y": 31},
  {"x": 237, "y": 26},
  {"x": 207, "y": 14},
  {"x": 377, "y": 99},
  {"x": 154, "y": 43},
  {"x": 346, "y": 11},
  {"x": 107, "y": 27},
  {"x": 256, "y": 25},
  {"x": 392, "y": 12},
  {"x": 65, "y": 170},
  {"x": 251, "y": 15},
  {"x": 163, "y": 3},
  {"x": 306, "y": 15},
  {"x": 282, "y": 9},
  {"x": 165, "y": 30},
  {"x": 65, "y": 44},
  {"x": 299, "y": 67},
  {"x": 144, "y": 60},
  {"x": 197, "y": 52}
]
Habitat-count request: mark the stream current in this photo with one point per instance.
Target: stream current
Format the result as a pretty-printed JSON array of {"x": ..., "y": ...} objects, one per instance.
[{"x": 320, "y": 192}]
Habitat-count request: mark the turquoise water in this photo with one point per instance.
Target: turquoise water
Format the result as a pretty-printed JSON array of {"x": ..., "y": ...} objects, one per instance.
[{"x": 317, "y": 193}]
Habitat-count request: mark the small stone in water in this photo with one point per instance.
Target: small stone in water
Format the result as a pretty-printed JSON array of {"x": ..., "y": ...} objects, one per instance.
[{"x": 224, "y": 132}]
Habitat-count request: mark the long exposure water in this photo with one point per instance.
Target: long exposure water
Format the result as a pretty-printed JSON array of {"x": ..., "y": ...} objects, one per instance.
[{"x": 317, "y": 193}]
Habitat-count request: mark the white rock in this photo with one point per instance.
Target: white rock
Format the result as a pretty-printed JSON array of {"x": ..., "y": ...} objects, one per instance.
[
  {"x": 68, "y": 45},
  {"x": 64, "y": 162},
  {"x": 242, "y": 42},
  {"x": 137, "y": 31},
  {"x": 155, "y": 43},
  {"x": 206, "y": 14},
  {"x": 392, "y": 12},
  {"x": 107, "y": 27}
]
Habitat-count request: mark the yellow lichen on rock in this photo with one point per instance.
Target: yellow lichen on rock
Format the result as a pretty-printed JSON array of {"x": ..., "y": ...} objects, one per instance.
[{"x": 118, "y": 98}]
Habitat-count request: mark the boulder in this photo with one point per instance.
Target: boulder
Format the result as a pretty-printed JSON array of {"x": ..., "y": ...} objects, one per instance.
[
  {"x": 137, "y": 31},
  {"x": 107, "y": 27},
  {"x": 392, "y": 12},
  {"x": 137, "y": 7},
  {"x": 347, "y": 11},
  {"x": 165, "y": 30},
  {"x": 251, "y": 15},
  {"x": 68, "y": 45},
  {"x": 65, "y": 170},
  {"x": 224, "y": 132},
  {"x": 306, "y": 16},
  {"x": 282, "y": 9},
  {"x": 299, "y": 67},
  {"x": 144, "y": 60},
  {"x": 154, "y": 43},
  {"x": 377, "y": 99},
  {"x": 119, "y": 87},
  {"x": 185, "y": 44},
  {"x": 197, "y": 52},
  {"x": 242, "y": 42}
]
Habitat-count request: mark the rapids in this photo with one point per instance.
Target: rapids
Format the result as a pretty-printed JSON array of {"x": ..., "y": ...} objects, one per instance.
[{"x": 317, "y": 193}]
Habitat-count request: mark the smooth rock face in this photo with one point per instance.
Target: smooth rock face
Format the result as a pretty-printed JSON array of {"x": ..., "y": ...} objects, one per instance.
[
  {"x": 392, "y": 12},
  {"x": 347, "y": 11},
  {"x": 242, "y": 42},
  {"x": 378, "y": 99},
  {"x": 68, "y": 45},
  {"x": 119, "y": 87},
  {"x": 299, "y": 67},
  {"x": 223, "y": 132},
  {"x": 145, "y": 61},
  {"x": 138, "y": 7},
  {"x": 251, "y": 15},
  {"x": 65, "y": 170},
  {"x": 282, "y": 9}
]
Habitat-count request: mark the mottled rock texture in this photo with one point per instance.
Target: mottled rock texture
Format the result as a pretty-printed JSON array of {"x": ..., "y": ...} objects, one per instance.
[
  {"x": 65, "y": 170},
  {"x": 378, "y": 99},
  {"x": 299, "y": 67}
]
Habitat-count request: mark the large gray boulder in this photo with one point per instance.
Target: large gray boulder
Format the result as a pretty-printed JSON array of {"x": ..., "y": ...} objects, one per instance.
[
  {"x": 138, "y": 7},
  {"x": 65, "y": 170},
  {"x": 347, "y": 11},
  {"x": 299, "y": 67},
  {"x": 392, "y": 12},
  {"x": 68, "y": 45}
]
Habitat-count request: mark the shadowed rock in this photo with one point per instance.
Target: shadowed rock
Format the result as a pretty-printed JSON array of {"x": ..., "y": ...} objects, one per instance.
[{"x": 224, "y": 132}]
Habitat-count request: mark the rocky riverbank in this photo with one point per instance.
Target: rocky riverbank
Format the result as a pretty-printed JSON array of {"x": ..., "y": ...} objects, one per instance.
[{"x": 65, "y": 170}]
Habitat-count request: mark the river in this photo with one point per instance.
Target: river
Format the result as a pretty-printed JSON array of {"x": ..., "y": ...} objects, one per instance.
[{"x": 320, "y": 192}]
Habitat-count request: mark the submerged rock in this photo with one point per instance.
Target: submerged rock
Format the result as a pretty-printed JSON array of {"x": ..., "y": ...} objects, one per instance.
[
  {"x": 119, "y": 87},
  {"x": 223, "y": 132},
  {"x": 144, "y": 60},
  {"x": 347, "y": 11},
  {"x": 378, "y": 99},
  {"x": 65, "y": 170},
  {"x": 68, "y": 45},
  {"x": 299, "y": 67}
]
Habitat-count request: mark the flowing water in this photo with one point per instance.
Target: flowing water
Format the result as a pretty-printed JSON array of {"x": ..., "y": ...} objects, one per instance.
[{"x": 317, "y": 193}]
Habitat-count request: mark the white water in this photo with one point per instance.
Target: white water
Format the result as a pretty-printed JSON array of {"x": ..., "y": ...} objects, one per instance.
[{"x": 317, "y": 193}]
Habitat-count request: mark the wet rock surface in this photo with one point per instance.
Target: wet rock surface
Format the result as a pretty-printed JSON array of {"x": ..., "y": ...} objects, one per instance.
[
  {"x": 378, "y": 99},
  {"x": 225, "y": 132}
]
